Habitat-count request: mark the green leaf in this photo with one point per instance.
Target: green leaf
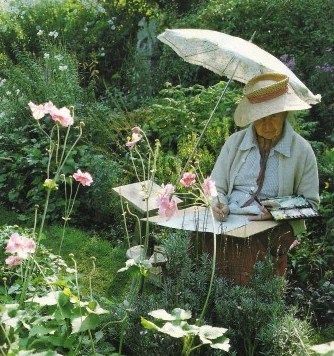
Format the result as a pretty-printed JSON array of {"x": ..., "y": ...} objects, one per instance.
[
  {"x": 84, "y": 323},
  {"x": 161, "y": 314},
  {"x": 98, "y": 335},
  {"x": 208, "y": 333},
  {"x": 177, "y": 314},
  {"x": 221, "y": 345},
  {"x": 181, "y": 314},
  {"x": 173, "y": 330},
  {"x": 40, "y": 330},
  {"x": 148, "y": 324},
  {"x": 95, "y": 308},
  {"x": 49, "y": 299}
]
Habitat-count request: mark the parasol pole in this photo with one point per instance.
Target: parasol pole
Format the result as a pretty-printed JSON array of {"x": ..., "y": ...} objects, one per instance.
[{"x": 212, "y": 112}]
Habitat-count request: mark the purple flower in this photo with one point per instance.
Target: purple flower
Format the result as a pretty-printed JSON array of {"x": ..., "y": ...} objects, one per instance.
[
  {"x": 288, "y": 60},
  {"x": 326, "y": 68}
]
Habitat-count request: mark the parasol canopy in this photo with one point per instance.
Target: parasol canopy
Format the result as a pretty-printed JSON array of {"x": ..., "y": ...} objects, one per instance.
[{"x": 231, "y": 56}]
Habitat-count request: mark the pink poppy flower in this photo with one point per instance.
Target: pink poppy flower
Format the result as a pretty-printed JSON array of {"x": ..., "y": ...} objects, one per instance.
[
  {"x": 49, "y": 107},
  {"x": 13, "y": 261},
  {"x": 63, "y": 116},
  {"x": 20, "y": 245},
  {"x": 167, "y": 190},
  {"x": 38, "y": 111},
  {"x": 136, "y": 130},
  {"x": 83, "y": 178},
  {"x": 188, "y": 179},
  {"x": 136, "y": 137},
  {"x": 209, "y": 188},
  {"x": 167, "y": 206}
]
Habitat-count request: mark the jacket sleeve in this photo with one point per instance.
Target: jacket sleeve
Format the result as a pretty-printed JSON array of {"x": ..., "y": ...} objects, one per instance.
[
  {"x": 220, "y": 173},
  {"x": 309, "y": 182}
]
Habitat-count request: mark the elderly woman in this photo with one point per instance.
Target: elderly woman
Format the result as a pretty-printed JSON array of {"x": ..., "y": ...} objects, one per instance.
[{"x": 268, "y": 158}]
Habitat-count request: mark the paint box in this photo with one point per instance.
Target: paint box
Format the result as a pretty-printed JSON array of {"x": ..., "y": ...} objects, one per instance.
[{"x": 290, "y": 207}]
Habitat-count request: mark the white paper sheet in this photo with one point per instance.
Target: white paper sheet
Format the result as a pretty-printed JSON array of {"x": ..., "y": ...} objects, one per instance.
[{"x": 197, "y": 218}]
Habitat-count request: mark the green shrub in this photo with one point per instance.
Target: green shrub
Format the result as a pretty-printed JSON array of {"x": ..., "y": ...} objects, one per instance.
[
  {"x": 94, "y": 30},
  {"x": 177, "y": 117},
  {"x": 306, "y": 38},
  {"x": 286, "y": 336},
  {"x": 246, "y": 310},
  {"x": 183, "y": 285},
  {"x": 23, "y": 147}
]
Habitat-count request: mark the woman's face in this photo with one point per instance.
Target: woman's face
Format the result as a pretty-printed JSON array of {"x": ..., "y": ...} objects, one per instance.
[{"x": 270, "y": 127}]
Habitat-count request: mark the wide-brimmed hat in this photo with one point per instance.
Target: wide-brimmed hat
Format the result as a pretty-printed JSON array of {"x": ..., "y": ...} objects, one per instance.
[{"x": 264, "y": 95}]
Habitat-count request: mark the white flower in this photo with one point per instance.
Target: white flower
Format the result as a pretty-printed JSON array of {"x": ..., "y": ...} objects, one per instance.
[
  {"x": 2, "y": 82},
  {"x": 40, "y": 33},
  {"x": 59, "y": 57},
  {"x": 46, "y": 55},
  {"x": 85, "y": 29},
  {"x": 62, "y": 68},
  {"x": 113, "y": 27},
  {"x": 8, "y": 92},
  {"x": 53, "y": 34},
  {"x": 17, "y": 91}
]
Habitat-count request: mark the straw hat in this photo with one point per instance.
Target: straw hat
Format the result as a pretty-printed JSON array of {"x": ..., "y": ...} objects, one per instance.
[{"x": 264, "y": 95}]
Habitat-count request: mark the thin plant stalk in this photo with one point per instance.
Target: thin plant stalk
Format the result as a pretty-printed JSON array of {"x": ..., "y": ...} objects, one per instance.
[
  {"x": 48, "y": 192},
  {"x": 142, "y": 163},
  {"x": 138, "y": 221},
  {"x": 188, "y": 344},
  {"x": 65, "y": 143},
  {"x": 2, "y": 351},
  {"x": 73, "y": 201},
  {"x": 134, "y": 166},
  {"x": 58, "y": 143},
  {"x": 125, "y": 224},
  {"x": 76, "y": 275},
  {"x": 41, "y": 128},
  {"x": 134, "y": 291},
  {"x": 6, "y": 336},
  {"x": 68, "y": 212},
  {"x": 50, "y": 151},
  {"x": 35, "y": 220},
  {"x": 29, "y": 270},
  {"x": 90, "y": 278},
  {"x": 62, "y": 235},
  {"x": 213, "y": 270},
  {"x": 69, "y": 152},
  {"x": 92, "y": 341}
]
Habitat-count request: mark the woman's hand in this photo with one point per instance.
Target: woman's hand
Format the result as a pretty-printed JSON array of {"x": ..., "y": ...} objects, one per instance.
[
  {"x": 220, "y": 211},
  {"x": 264, "y": 215}
]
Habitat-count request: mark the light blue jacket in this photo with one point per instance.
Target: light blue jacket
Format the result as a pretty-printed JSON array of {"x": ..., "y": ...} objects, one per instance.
[{"x": 297, "y": 167}]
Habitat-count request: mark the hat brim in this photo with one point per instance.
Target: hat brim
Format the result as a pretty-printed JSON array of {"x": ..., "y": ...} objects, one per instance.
[{"x": 247, "y": 112}]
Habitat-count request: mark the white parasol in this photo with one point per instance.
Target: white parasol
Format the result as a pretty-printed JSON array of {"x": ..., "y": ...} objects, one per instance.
[{"x": 230, "y": 56}]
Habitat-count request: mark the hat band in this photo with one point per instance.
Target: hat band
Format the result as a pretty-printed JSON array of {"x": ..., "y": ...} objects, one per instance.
[
  {"x": 254, "y": 99},
  {"x": 267, "y": 92}
]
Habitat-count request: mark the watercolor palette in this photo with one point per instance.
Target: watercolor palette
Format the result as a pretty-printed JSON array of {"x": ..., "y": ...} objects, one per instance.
[{"x": 290, "y": 207}]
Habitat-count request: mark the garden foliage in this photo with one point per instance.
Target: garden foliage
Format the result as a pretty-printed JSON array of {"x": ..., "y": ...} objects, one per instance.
[{"x": 103, "y": 58}]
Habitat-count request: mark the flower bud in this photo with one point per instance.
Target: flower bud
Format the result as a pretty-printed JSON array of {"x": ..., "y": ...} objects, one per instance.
[
  {"x": 136, "y": 130},
  {"x": 50, "y": 184}
]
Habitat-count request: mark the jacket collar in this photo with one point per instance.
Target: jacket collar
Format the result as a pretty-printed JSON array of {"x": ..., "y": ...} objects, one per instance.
[{"x": 283, "y": 146}]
